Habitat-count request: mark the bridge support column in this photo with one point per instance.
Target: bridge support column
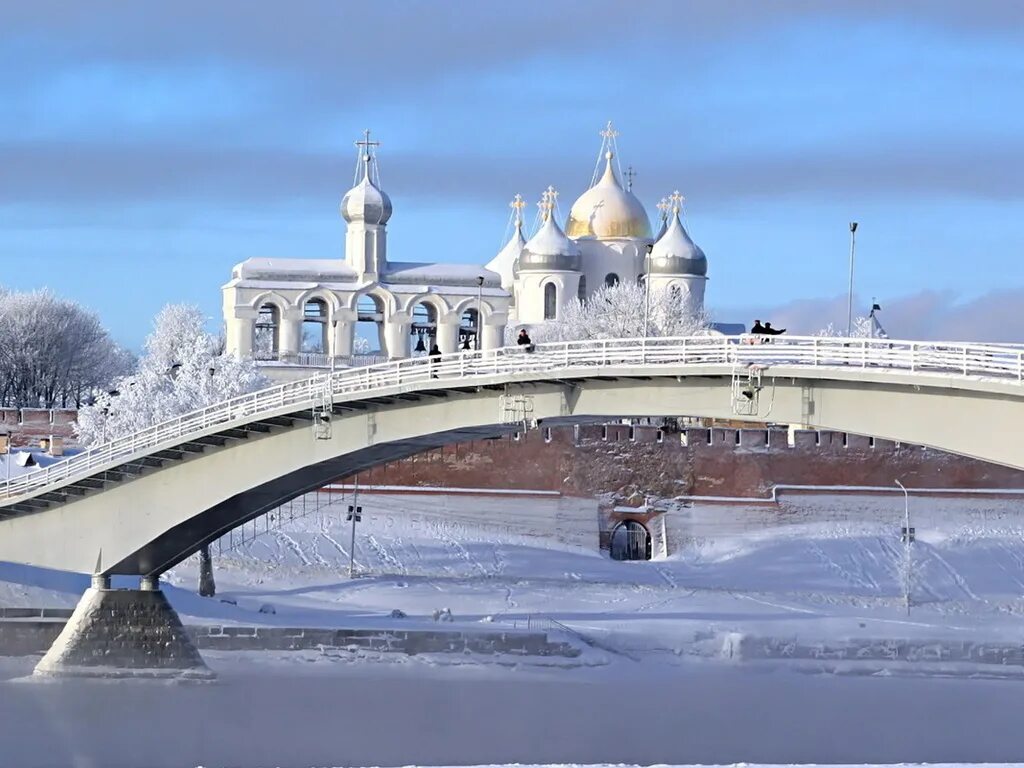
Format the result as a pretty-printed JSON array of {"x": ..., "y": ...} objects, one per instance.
[
  {"x": 207, "y": 586},
  {"x": 124, "y": 633}
]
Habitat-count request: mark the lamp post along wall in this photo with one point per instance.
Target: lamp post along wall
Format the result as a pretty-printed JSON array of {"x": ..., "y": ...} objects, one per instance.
[
  {"x": 479, "y": 312},
  {"x": 849, "y": 301}
]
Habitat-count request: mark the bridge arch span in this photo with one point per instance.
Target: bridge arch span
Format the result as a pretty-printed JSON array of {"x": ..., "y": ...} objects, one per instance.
[{"x": 226, "y": 475}]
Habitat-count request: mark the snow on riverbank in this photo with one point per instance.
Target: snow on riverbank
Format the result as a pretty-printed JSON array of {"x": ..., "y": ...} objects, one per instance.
[{"x": 826, "y": 572}]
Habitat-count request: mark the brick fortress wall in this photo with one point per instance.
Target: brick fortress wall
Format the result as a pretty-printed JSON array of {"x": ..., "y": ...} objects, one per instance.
[
  {"x": 27, "y": 426},
  {"x": 627, "y": 461}
]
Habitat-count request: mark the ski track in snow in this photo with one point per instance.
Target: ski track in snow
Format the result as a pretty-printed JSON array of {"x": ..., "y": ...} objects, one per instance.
[{"x": 955, "y": 575}]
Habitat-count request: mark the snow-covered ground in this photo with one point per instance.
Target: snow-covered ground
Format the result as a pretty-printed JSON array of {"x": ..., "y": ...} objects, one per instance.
[
  {"x": 668, "y": 677},
  {"x": 808, "y": 575}
]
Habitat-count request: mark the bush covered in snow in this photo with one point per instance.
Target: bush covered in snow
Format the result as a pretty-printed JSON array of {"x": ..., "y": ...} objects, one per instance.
[
  {"x": 617, "y": 312},
  {"x": 184, "y": 368},
  {"x": 863, "y": 328}
]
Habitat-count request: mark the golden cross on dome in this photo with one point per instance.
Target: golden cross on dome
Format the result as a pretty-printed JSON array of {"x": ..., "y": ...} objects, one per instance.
[
  {"x": 517, "y": 205},
  {"x": 545, "y": 204},
  {"x": 663, "y": 206},
  {"x": 609, "y": 132},
  {"x": 677, "y": 201},
  {"x": 552, "y": 194}
]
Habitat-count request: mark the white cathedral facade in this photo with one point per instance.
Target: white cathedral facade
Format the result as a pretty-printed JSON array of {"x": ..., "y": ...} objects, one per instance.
[{"x": 297, "y": 314}]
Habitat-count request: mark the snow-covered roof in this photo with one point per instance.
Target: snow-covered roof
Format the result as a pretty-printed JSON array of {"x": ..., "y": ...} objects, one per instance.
[
  {"x": 316, "y": 270},
  {"x": 27, "y": 460},
  {"x": 439, "y": 274},
  {"x": 297, "y": 285},
  {"x": 729, "y": 329}
]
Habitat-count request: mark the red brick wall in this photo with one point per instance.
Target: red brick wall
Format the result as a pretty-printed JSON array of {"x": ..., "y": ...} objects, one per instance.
[
  {"x": 715, "y": 462},
  {"x": 26, "y": 426}
]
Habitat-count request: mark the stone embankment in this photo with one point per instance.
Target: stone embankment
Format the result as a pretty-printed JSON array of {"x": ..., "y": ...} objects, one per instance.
[{"x": 24, "y": 633}]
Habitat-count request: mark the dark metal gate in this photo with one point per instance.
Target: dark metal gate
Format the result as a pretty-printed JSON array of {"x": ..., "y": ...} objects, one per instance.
[{"x": 630, "y": 541}]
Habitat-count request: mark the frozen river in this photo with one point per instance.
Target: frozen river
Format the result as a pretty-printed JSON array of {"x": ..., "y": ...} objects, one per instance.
[{"x": 309, "y": 711}]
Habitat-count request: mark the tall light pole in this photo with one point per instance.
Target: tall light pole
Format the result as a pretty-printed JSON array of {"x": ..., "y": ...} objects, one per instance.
[
  {"x": 849, "y": 301},
  {"x": 334, "y": 347},
  {"x": 907, "y": 536},
  {"x": 647, "y": 289},
  {"x": 479, "y": 312}
]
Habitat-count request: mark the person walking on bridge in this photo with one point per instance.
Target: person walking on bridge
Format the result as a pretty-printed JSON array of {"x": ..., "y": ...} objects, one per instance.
[
  {"x": 756, "y": 331},
  {"x": 434, "y": 354}
]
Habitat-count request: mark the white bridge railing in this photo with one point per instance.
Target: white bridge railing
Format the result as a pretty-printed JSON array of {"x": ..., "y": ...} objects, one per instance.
[{"x": 992, "y": 361}]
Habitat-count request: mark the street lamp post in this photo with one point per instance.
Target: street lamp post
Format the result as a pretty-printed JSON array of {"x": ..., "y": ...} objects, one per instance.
[
  {"x": 849, "y": 301},
  {"x": 479, "y": 312},
  {"x": 333, "y": 345},
  {"x": 647, "y": 289},
  {"x": 908, "y": 537}
]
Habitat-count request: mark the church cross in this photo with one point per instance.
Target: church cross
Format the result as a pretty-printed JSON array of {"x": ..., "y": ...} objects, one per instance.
[
  {"x": 366, "y": 143},
  {"x": 677, "y": 201},
  {"x": 663, "y": 206},
  {"x": 517, "y": 205},
  {"x": 609, "y": 133},
  {"x": 544, "y": 205}
]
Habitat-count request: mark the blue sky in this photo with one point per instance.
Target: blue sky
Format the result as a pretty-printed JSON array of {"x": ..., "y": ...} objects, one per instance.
[{"x": 144, "y": 150}]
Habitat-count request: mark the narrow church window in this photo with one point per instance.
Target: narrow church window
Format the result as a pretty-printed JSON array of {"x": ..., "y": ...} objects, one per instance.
[
  {"x": 550, "y": 301},
  {"x": 266, "y": 339},
  {"x": 314, "y": 327},
  {"x": 611, "y": 279},
  {"x": 581, "y": 291}
]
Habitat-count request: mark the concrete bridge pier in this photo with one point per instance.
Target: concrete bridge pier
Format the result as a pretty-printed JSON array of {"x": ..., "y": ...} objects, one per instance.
[{"x": 124, "y": 633}]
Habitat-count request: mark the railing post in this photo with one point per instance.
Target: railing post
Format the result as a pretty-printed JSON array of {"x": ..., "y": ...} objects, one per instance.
[
  {"x": 815, "y": 353},
  {"x": 913, "y": 356},
  {"x": 965, "y": 361}
]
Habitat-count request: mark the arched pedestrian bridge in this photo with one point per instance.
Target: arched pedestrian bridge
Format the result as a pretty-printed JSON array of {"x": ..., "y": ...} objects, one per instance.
[{"x": 142, "y": 503}]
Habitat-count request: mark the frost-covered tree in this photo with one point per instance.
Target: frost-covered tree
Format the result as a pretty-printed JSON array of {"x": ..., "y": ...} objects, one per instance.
[
  {"x": 184, "y": 368},
  {"x": 53, "y": 352},
  {"x": 863, "y": 328},
  {"x": 616, "y": 312}
]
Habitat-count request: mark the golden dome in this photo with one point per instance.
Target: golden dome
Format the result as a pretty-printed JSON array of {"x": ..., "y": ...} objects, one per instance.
[{"x": 606, "y": 211}]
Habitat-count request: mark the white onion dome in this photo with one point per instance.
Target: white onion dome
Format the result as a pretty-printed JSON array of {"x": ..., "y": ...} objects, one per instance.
[
  {"x": 662, "y": 230},
  {"x": 606, "y": 211},
  {"x": 505, "y": 262},
  {"x": 365, "y": 201},
  {"x": 549, "y": 249},
  {"x": 675, "y": 253}
]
